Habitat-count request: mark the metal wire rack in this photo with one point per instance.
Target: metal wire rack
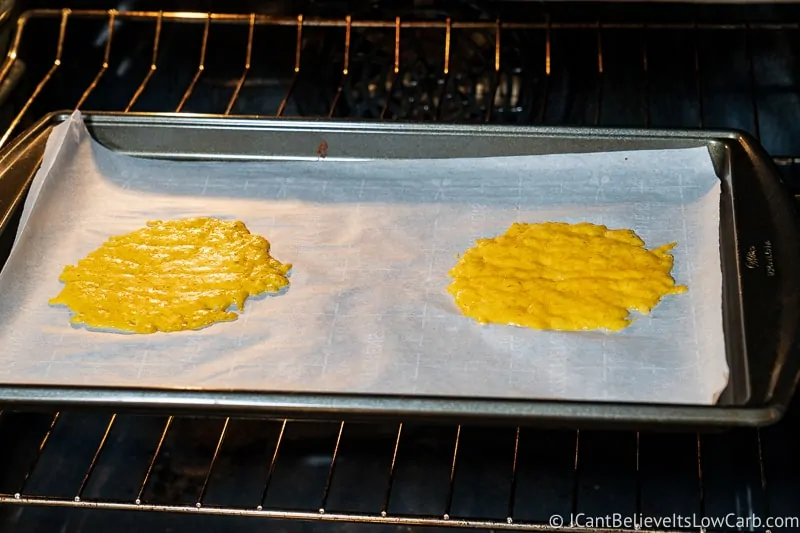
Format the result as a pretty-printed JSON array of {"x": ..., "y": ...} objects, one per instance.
[
  {"x": 403, "y": 474},
  {"x": 507, "y": 478},
  {"x": 495, "y": 92},
  {"x": 491, "y": 97}
]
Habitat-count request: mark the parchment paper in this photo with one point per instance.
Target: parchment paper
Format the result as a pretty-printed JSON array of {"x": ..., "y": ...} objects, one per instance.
[{"x": 371, "y": 243}]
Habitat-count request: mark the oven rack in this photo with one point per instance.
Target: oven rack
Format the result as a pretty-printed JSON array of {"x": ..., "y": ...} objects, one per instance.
[
  {"x": 499, "y": 90},
  {"x": 300, "y": 470},
  {"x": 300, "y": 26},
  {"x": 485, "y": 478}
]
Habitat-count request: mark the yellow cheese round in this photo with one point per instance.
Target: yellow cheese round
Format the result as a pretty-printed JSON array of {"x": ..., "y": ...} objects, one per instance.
[
  {"x": 171, "y": 276},
  {"x": 559, "y": 276}
]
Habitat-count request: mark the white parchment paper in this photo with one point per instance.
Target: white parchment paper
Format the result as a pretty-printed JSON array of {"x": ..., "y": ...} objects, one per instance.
[{"x": 371, "y": 243}]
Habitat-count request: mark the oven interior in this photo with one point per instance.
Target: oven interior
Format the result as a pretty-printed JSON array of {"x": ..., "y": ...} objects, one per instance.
[{"x": 638, "y": 65}]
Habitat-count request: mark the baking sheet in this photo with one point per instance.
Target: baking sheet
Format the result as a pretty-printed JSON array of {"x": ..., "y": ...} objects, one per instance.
[{"x": 371, "y": 243}]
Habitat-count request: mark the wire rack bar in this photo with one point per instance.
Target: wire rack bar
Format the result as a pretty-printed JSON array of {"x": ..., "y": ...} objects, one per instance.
[
  {"x": 38, "y": 456},
  {"x": 199, "y": 18},
  {"x": 310, "y": 516},
  {"x": 62, "y": 32},
  {"x": 599, "y": 107},
  {"x": 345, "y": 68},
  {"x": 396, "y": 72},
  {"x": 272, "y": 464},
  {"x": 513, "y": 490},
  {"x": 701, "y": 492},
  {"x": 112, "y": 17},
  {"x": 156, "y": 453},
  {"x": 547, "y": 70},
  {"x": 388, "y": 493},
  {"x": 153, "y": 66},
  {"x": 97, "y": 453},
  {"x": 200, "y": 67},
  {"x": 638, "y": 476},
  {"x": 248, "y": 57},
  {"x": 453, "y": 464},
  {"x": 331, "y": 469},
  {"x": 448, "y": 31},
  {"x": 762, "y": 471},
  {"x": 207, "y": 478},
  {"x": 575, "y": 479},
  {"x": 496, "y": 76},
  {"x": 297, "y": 55}
]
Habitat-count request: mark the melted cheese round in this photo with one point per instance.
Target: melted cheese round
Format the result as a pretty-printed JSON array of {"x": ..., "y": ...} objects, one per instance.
[
  {"x": 171, "y": 276},
  {"x": 558, "y": 276}
]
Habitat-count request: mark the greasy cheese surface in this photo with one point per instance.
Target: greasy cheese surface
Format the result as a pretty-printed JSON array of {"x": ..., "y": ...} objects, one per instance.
[
  {"x": 171, "y": 276},
  {"x": 559, "y": 276}
]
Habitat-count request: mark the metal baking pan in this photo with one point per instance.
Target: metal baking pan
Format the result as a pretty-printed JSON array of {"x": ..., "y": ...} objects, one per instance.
[{"x": 759, "y": 247}]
